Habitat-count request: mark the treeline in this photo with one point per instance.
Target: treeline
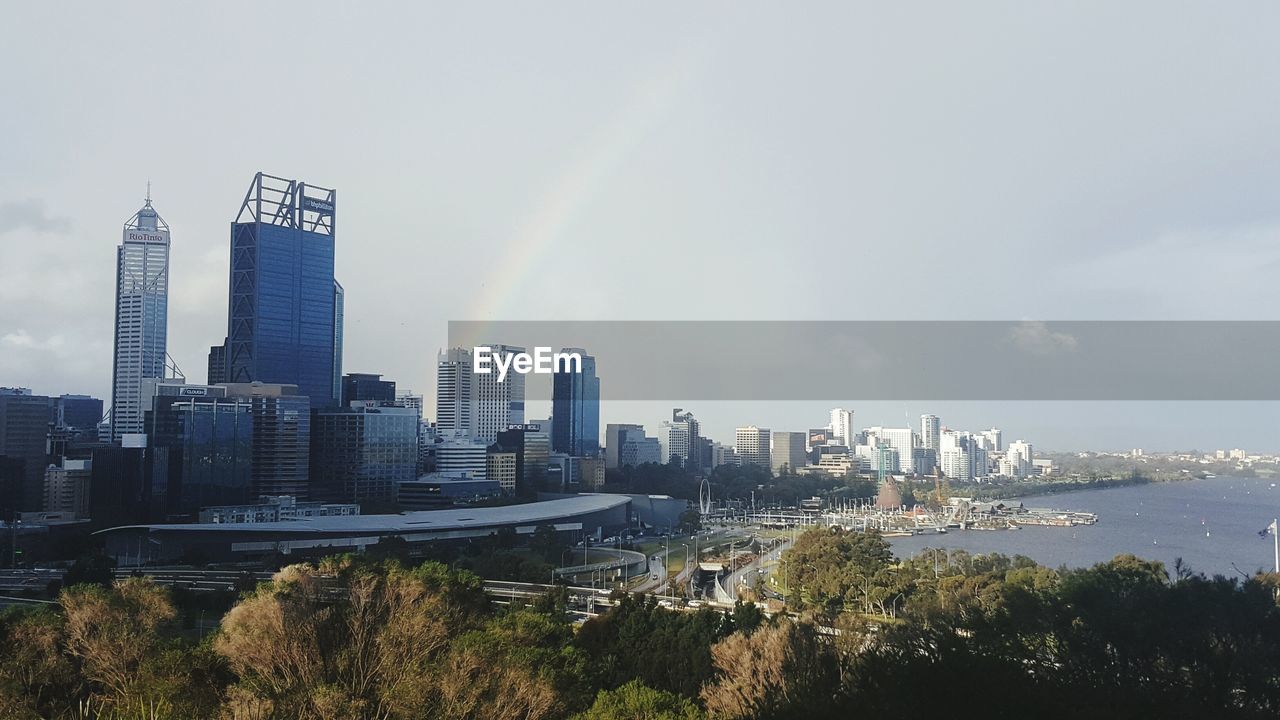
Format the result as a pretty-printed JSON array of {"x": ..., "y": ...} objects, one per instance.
[
  {"x": 736, "y": 482},
  {"x": 945, "y": 635}
]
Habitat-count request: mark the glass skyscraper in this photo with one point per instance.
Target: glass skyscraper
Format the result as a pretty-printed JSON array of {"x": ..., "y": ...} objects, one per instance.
[
  {"x": 142, "y": 315},
  {"x": 283, "y": 320},
  {"x": 203, "y": 449},
  {"x": 575, "y": 409}
]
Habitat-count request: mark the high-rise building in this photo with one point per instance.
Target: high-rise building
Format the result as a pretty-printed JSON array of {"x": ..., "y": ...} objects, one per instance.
[
  {"x": 993, "y": 439},
  {"x": 532, "y": 447},
  {"x": 496, "y": 403},
  {"x": 339, "y": 311},
  {"x": 66, "y": 488},
  {"x": 202, "y": 448},
  {"x": 477, "y": 403},
  {"x": 575, "y": 407},
  {"x": 281, "y": 438},
  {"x": 956, "y": 456},
  {"x": 453, "y": 390},
  {"x": 361, "y": 454},
  {"x": 751, "y": 445},
  {"x": 142, "y": 315},
  {"x": 615, "y": 435},
  {"x": 930, "y": 432},
  {"x": 900, "y": 439},
  {"x": 367, "y": 387},
  {"x": 1020, "y": 457},
  {"x": 681, "y": 440},
  {"x": 462, "y": 456},
  {"x": 500, "y": 466},
  {"x": 120, "y": 490},
  {"x": 787, "y": 453},
  {"x": 217, "y": 372},
  {"x": 408, "y": 400},
  {"x": 842, "y": 427},
  {"x": 24, "y": 429},
  {"x": 282, "y": 320}
]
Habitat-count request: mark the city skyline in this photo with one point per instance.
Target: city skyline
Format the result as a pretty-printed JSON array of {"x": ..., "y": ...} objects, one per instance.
[{"x": 1104, "y": 220}]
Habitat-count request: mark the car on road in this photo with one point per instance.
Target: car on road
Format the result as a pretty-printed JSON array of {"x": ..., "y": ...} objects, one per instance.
[{"x": 653, "y": 576}]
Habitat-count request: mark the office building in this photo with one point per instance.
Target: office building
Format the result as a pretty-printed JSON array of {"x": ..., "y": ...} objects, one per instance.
[
  {"x": 681, "y": 440},
  {"x": 120, "y": 491},
  {"x": 1021, "y": 462},
  {"x": 361, "y": 453},
  {"x": 281, "y": 437},
  {"x": 66, "y": 488},
  {"x": 496, "y": 405},
  {"x": 367, "y": 388},
  {"x": 24, "y": 429},
  {"x": 408, "y": 400},
  {"x": 500, "y": 467},
  {"x": 615, "y": 435},
  {"x": 460, "y": 455},
  {"x": 217, "y": 370},
  {"x": 142, "y": 315},
  {"x": 841, "y": 426},
  {"x": 477, "y": 404},
  {"x": 339, "y": 310},
  {"x": 436, "y": 491},
  {"x": 900, "y": 439},
  {"x": 201, "y": 449},
  {"x": 575, "y": 407},
  {"x": 993, "y": 440},
  {"x": 532, "y": 448},
  {"x": 282, "y": 320},
  {"x": 956, "y": 457},
  {"x": 751, "y": 445},
  {"x": 930, "y": 432},
  {"x": 453, "y": 390},
  {"x": 786, "y": 453}
]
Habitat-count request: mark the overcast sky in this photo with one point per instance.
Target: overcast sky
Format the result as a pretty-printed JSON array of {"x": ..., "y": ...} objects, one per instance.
[{"x": 659, "y": 161}]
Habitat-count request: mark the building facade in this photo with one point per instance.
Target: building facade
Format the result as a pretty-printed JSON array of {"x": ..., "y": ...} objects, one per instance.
[
  {"x": 24, "y": 429},
  {"x": 787, "y": 452},
  {"x": 575, "y": 408},
  {"x": 282, "y": 321},
  {"x": 142, "y": 316},
  {"x": 751, "y": 445},
  {"x": 361, "y": 454}
]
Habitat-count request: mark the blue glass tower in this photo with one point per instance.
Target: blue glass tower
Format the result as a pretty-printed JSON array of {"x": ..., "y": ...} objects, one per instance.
[
  {"x": 282, "y": 324},
  {"x": 575, "y": 409}
]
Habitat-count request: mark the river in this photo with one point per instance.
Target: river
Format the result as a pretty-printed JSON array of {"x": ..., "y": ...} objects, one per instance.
[{"x": 1212, "y": 524}]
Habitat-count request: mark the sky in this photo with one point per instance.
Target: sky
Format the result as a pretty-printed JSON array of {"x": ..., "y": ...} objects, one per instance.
[{"x": 660, "y": 161}]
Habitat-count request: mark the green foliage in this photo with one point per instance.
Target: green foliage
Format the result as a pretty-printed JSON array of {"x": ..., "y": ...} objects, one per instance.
[{"x": 637, "y": 701}]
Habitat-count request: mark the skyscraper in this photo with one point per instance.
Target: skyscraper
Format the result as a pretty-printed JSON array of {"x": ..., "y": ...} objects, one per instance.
[
  {"x": 477, "y": 404},
  {"x": 575, "y": 408},
  {"x": 681, "y": 440},
  {"x": 787, "y": 452},
  {"x": 751, "y": 444},
  {"x": 930, "y": 432},
  {"x": 453, "y": 390},
  {"x": 24, "y": 427},
  {"x": 842, "y": 427},
  {"x": 142, "y": 315},
  {"x": 362, "y": 454},
  {"x": 282, "y": 320}
]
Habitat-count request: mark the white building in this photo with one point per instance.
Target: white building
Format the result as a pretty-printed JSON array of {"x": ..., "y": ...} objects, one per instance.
[
  {"x": 842, "y": 431},
  {"x": 142, "y": 316},
  {"x": 461, "y": 455},
  {"x": 678, "y": 438},
  {"x": 751, "y": 445},
  {"x": 477, "y": 403},
  {"x": 903, "y": 440},
  {"x": 1020, "y": 458}
]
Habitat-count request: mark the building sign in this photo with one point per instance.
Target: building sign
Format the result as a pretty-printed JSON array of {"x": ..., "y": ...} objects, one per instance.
[
  {"x": 142, "y": 236},
  {"x": 324, "y": 207},
  {"x": 530, "y": 427},
  {"x": 194, "y": 391}
]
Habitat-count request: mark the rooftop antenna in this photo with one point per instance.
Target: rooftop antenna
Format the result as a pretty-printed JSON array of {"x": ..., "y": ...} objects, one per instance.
[{"x": 148, "y": 192}]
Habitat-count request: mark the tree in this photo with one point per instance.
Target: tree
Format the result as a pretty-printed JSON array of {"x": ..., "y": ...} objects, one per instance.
[
  {"x": 637, "y": 701},
  {"x": 779, "y": 671}
]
